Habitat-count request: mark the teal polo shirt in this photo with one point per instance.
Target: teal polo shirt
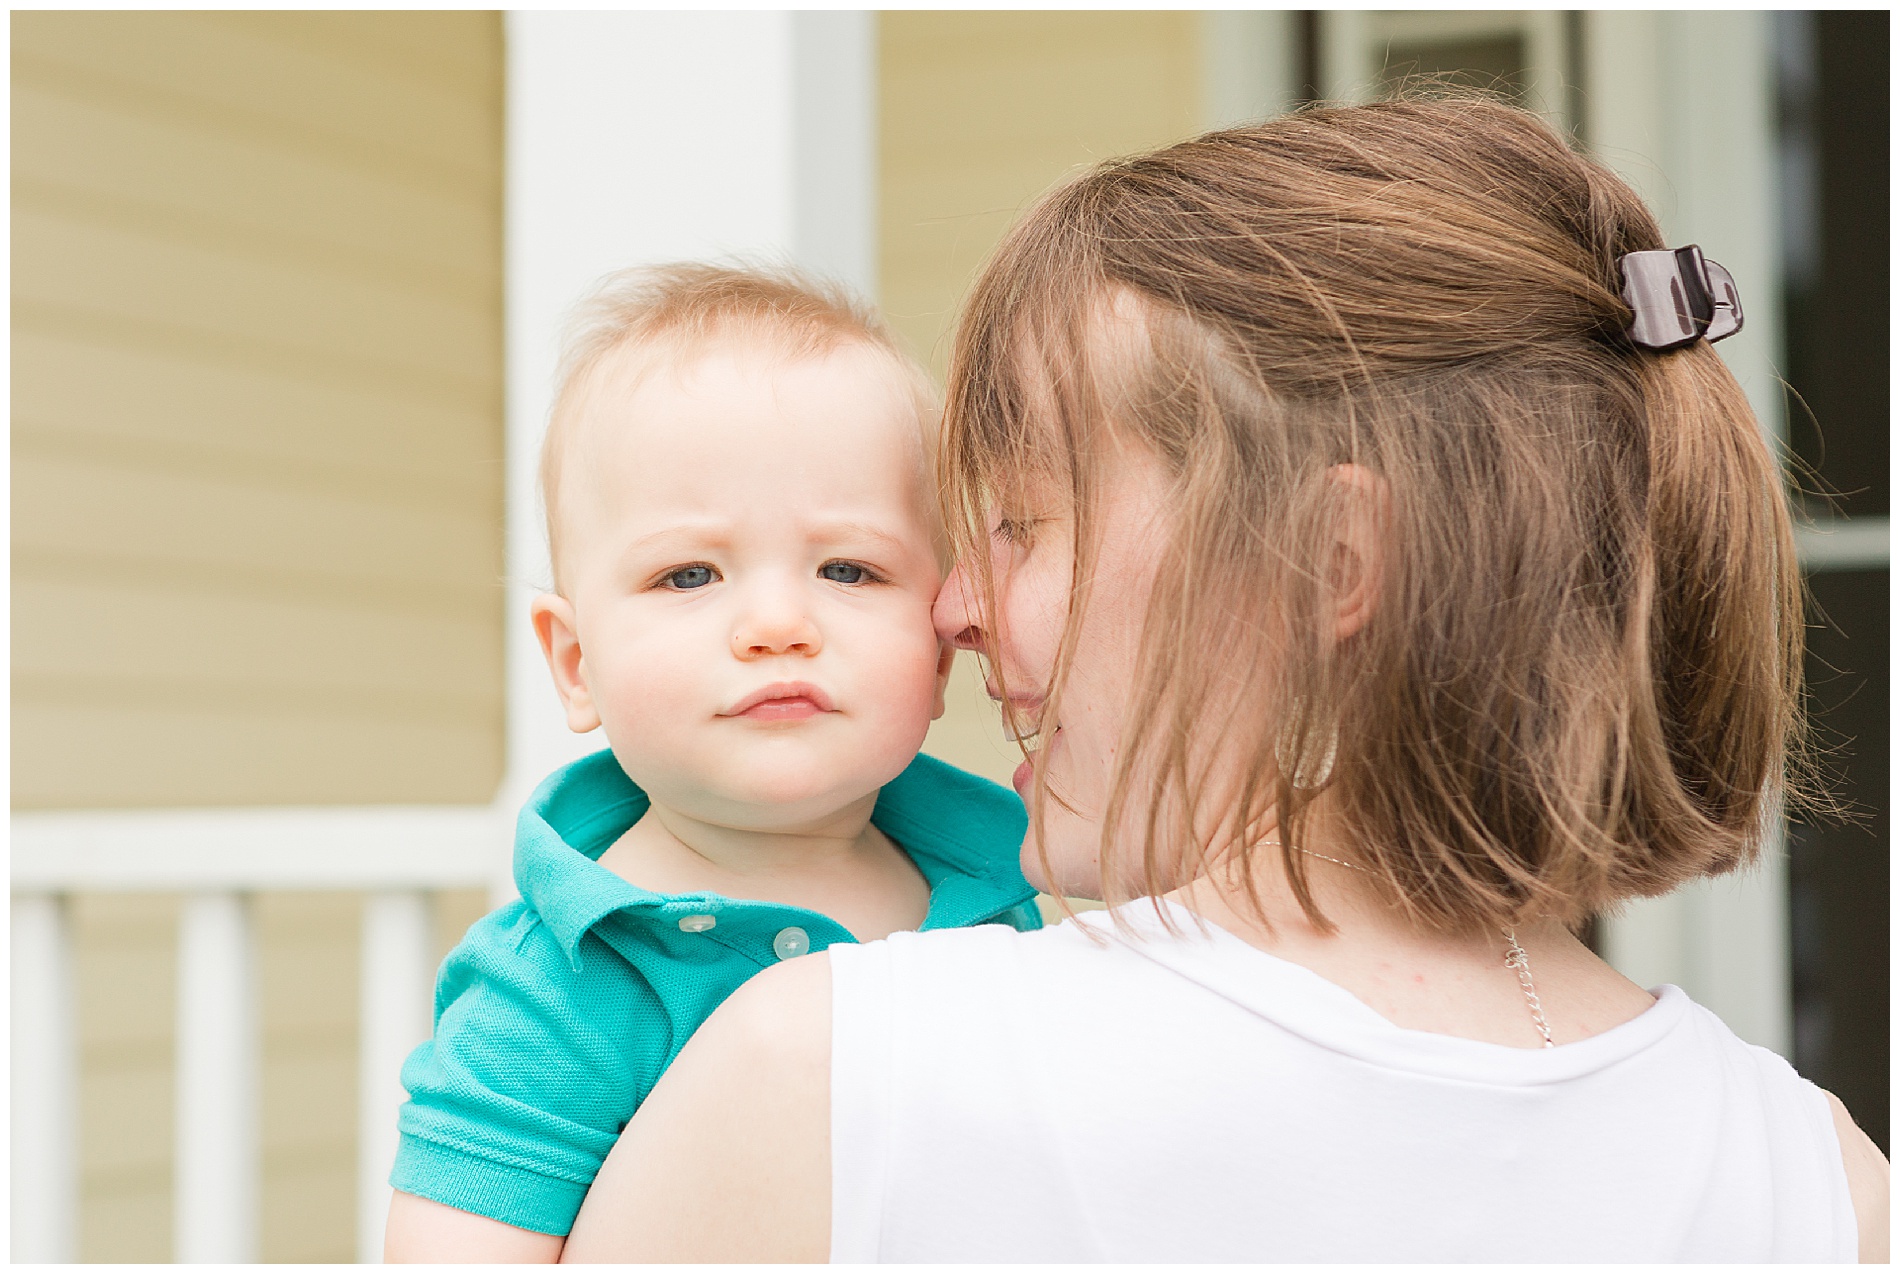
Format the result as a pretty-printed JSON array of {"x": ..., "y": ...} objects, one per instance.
[{"x": 558, "y": 1013}]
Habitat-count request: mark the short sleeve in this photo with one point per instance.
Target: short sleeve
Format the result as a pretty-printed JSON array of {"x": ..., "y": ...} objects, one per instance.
[{"x": 534, "y": 1068}]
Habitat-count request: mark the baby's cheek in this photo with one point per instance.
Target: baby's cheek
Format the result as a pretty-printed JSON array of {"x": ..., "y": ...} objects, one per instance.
[
  {"x": 907, "y": 675},
  {"x": 646, "y": 707}
]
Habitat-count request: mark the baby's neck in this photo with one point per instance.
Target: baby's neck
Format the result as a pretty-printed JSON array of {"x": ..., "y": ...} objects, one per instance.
[{"x": 840, "y": 866}]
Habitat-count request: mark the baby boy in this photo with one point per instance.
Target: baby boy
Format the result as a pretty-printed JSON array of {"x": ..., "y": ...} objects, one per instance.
[{"x": 742, "y": 525}]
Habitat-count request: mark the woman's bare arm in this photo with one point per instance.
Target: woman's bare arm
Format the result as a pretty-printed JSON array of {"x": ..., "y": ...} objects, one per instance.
[
  {"x": 729, "y": 1158},
  {"x": 1869, "y": 1181}
]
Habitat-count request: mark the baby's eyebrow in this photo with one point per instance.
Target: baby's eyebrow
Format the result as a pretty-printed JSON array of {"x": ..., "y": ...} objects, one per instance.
[
  {"x": 720, "y": 535},
  {"x": 833, "y": 532},
  {"x": 707, "y": 534}
]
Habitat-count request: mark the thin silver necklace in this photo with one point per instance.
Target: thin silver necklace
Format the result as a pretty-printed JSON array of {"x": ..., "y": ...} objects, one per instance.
[{"x": 1515, "y": 958}]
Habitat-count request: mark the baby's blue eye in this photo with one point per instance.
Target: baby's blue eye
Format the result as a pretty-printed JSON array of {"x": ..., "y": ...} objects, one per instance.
[
  {"x": 691, "y": 577},
  {"x": 842, "y": 572}
]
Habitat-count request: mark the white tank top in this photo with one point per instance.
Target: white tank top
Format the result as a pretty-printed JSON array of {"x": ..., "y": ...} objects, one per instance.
[{"x": 1005, "y": 1096}]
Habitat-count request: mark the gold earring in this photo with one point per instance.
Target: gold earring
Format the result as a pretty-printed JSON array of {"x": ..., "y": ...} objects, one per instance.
[{"x": 1302, "y": 775}]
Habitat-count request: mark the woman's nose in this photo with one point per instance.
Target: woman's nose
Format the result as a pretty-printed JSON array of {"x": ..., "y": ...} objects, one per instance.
[
  {"x": 775, "y": 624},
  {"x": 955, "y": 614}
]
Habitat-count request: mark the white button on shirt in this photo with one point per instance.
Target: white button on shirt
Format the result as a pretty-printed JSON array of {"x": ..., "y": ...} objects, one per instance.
[
  {"x": 697, "y": 924},
  {"x": 791, "y": 941}
]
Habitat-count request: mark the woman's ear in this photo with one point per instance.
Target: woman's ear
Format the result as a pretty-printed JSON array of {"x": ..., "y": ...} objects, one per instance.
[
  {"x": 553, "y": 617},
  {"x": 946, "y": 662},
  {"x": 1357, "y": 564}
]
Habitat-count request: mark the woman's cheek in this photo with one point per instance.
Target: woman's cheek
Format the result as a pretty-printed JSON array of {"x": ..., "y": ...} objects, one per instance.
[{"x": 1034, "y": 606}]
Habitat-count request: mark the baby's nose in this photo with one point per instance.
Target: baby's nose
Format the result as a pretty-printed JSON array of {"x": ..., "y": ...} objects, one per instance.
[
  {"x": 749, "y": 646},
  {"x": 780, "y": 629}
]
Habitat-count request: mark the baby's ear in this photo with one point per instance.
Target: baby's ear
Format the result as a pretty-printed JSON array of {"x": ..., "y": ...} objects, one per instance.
[
  {"x": 946, "y": 660},
  {"x": 553, "y": 617}
]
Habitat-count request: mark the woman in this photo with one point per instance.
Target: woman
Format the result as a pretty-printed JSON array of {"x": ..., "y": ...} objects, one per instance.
[{"x": 1380, "y": 608}]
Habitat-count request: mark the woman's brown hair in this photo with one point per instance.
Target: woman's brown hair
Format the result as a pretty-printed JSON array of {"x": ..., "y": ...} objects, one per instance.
[{"x": 1582, "y": 680}]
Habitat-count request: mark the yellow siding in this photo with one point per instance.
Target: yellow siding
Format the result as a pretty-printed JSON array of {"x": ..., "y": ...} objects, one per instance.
[
  {"x": 257, "y": 476},
  {"x": 979, "y": 113},
  {"x": 256, "y": 408},
  {"x": 307, "y": 1010},
  {"x": 982, "y": 111},
  {"x": 125, "y": 962}
]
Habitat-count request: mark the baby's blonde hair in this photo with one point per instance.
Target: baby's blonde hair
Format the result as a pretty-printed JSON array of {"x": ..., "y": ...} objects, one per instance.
[{"x": 678, "y": 310}]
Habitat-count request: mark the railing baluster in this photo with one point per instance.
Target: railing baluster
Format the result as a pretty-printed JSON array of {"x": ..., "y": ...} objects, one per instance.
[
  {"x": 45, "y": 1124},
  {"x": 209, "y": 858},
  {"x": 396, "y": 979},
  {"x": 217, "y": 1164}
]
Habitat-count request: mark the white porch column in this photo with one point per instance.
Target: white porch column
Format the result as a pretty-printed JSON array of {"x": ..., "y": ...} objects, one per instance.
[
  {"x": 834, "y": 145},
  {"x": 43, "y": 1221},
  {"x": 216, "y": 1162},
  {"x": 1249, "y": 65},
  {"x": 394, "y": 981},
  {"x": 1681, "y": 104},
  {"x": 647, "y": 137}
]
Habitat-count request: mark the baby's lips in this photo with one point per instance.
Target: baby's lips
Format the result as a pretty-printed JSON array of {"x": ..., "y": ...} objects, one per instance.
[{"x": 782, "y": 690}]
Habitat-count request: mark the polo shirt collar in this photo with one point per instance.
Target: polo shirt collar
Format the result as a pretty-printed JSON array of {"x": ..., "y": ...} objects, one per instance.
[{"x": 963, "y": 833}]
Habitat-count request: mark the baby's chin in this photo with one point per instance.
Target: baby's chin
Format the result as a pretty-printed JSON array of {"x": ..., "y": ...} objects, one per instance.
[{"x": 786, "y": 793}]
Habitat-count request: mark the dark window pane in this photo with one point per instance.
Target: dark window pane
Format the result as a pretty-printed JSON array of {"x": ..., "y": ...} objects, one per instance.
[
  {"x": 1493, "y": 62},
  {"x": 1834, "y": 128},
  {"x": 1838, "y": 873}
]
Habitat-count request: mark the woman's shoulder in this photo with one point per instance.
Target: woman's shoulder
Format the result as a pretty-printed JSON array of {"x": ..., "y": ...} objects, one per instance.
[
  {"x": 786, "y": 1012},
  {"x": 962, "y": 986},
  {"x": 970, "y": 950},
  {"x": 1869, "y": 1183}
]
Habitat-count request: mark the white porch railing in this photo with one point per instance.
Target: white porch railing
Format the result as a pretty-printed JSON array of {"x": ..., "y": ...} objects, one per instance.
[{"x": 216, "y": 859}]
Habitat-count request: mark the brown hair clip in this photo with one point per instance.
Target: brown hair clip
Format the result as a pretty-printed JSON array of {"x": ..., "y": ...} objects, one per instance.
[{"x": 1679, "y": 296}]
